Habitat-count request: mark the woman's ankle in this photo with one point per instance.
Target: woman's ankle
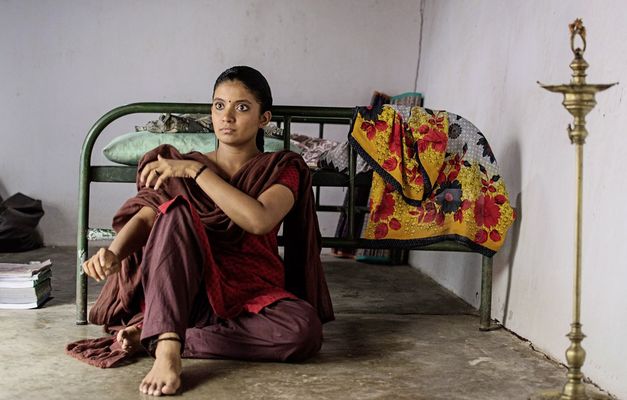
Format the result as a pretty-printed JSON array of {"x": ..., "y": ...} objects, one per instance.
[{"x": 166, "y": 342}]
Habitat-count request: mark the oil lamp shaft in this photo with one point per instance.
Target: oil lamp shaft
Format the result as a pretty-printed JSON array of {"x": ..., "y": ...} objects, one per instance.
[{"x": 578, "y": 239}]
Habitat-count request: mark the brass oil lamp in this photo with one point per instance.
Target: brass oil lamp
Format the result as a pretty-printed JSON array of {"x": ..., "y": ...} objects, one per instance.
[{"x": 579, "y": 101}]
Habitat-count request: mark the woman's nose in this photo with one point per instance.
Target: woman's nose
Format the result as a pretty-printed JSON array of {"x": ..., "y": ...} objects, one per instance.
[{"x": 229, "y": 114}]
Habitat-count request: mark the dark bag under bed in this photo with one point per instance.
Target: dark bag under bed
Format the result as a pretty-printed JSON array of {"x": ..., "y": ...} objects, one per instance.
[{"x": 19, "y": 216}]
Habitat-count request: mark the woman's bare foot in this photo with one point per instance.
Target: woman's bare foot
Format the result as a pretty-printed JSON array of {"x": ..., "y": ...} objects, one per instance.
[
  {"x": 129, "y": 339},
  {"x": 165, "y": 375}
]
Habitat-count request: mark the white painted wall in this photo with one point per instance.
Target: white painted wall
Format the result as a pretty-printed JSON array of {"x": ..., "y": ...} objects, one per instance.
[
  {"x": 65, "y": 63},
  {"x": 481, "y": 59}
]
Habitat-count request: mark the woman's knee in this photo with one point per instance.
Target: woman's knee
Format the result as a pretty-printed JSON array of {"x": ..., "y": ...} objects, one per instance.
[{"x": 304, "y": 337}]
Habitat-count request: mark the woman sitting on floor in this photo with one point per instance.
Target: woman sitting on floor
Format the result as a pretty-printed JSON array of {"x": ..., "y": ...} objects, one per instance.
[{"x": 194, "y": 270}]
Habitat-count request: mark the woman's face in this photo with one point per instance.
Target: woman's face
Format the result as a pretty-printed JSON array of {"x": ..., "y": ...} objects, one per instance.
[{"x": 236, "y": 114}]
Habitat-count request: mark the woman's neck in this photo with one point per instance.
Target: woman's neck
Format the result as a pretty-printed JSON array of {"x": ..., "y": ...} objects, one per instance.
[{"x": 231, "y": 159}]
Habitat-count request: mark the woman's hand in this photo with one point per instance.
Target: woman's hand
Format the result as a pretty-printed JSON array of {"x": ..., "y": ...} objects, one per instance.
[
  {"x": 102, "y": 264},
  {"x": 164, "y": 168}
]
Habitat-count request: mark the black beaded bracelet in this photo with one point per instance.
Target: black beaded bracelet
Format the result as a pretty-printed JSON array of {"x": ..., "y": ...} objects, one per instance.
[{"x": 200, "y": 172}]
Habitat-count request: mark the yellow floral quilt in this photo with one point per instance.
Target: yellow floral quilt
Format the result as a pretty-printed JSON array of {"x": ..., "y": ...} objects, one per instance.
[{"x": 435, "y": 178}]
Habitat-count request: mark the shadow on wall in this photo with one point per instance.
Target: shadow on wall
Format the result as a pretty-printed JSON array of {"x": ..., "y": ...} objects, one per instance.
[
  {"x": 3, "y": 192},
  {"x": 504, "y": 259},
  {"x": 57, "y": 222}
]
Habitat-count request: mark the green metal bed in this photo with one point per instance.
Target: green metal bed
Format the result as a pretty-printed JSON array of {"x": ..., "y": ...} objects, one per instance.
[{"x": 285, "y": 116}]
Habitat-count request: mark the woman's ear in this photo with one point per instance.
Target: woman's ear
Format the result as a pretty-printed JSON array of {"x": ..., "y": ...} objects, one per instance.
[{"x": 265, "y": 118}]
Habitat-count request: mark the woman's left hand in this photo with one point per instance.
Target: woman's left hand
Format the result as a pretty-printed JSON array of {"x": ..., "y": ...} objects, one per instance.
[{"x": 164, "y": 168}]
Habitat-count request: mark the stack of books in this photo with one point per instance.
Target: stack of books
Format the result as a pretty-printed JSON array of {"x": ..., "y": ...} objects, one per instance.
[{"x": 25, "y": 285}]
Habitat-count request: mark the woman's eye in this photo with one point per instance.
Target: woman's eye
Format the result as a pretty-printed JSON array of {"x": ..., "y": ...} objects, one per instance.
[
  {"x": 242, "y": 107},
  {"x": 218, "y": 106}
]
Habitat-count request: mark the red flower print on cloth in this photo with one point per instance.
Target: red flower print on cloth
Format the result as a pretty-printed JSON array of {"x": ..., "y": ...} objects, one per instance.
[
  {"x": 500, "y": 199},
  {"x": 390, "y": 164},
  {"x": 420, "y": 181},
  {"x": 441, "y": 178},
  {"x": 385, "y": 209},
  {"x": 395, "y": 224},
  {"x": 430, "y": 213},
  {"x": 495, "y": 235},
  {"x": 395, "y": 142},
  {"x": 415, "y": 177},
  {"x": 434, "y": 138},
  {"x": 437, "y": 121},
  {"x": 439, "y": 218},
  {"x": 453, "y": 175},
  {"x": 487, "y": 212},
  {"x": 380, "y": 231},
  {"x": 409, "y": 144},
  {"x": 459, "y": 214},
  {"x": 371, "y": 129},
  {"x": 481, "y": 236}
]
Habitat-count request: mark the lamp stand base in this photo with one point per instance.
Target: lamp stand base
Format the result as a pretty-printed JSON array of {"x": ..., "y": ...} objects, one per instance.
[{"x": 592, "y": 393}]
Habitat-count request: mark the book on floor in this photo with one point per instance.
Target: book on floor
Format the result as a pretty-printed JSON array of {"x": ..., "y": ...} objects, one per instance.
[
  {"x": 20, "y": 271},
  {"x": 25, "y": 285},
  {"x": 29, "y": 282}
]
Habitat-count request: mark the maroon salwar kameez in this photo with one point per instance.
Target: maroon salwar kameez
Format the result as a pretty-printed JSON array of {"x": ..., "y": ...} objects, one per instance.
[{"x": 225, "y": 292}]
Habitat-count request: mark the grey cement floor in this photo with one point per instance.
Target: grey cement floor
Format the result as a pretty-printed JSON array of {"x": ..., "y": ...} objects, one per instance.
[{"x": 398, "y": 335}]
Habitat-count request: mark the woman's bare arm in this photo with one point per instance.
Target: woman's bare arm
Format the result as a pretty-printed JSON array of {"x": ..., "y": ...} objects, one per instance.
[
  {"x": 130, "y": 238},
  {"x": 134, "y": 234},
  {"x": 255, "y": 215}
]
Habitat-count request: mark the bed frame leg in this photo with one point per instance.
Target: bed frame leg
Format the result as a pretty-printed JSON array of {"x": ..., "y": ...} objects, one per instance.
[
  {"x": 81, "y": 247},
  {"x": 485, "y": 310},
  {"x": 81, "y": 288}
]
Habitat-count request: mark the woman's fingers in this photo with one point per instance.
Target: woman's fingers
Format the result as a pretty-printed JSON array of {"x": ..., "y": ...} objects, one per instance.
[
  {"x": 145, "y": 171},
  {"x": 86, "y": 269},
  {"x": 155, "y": 173},
  {"x": 105, "y": 262},
  {"x": 152, "y": 175},
  {"x": 101, "y": 256},
  {"x": 90, "y": 269},
  {"x": 150, "y": 168},
  {"x": 100, "y": 265},
  {"x": 98, "y": 268},
  {"x": 161, "y": 178}
]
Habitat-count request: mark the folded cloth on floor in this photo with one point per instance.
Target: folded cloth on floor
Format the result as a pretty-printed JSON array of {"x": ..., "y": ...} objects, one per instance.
[
  {"x": 104, "y": 352},
  {"x": 435, "y": 179}
]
